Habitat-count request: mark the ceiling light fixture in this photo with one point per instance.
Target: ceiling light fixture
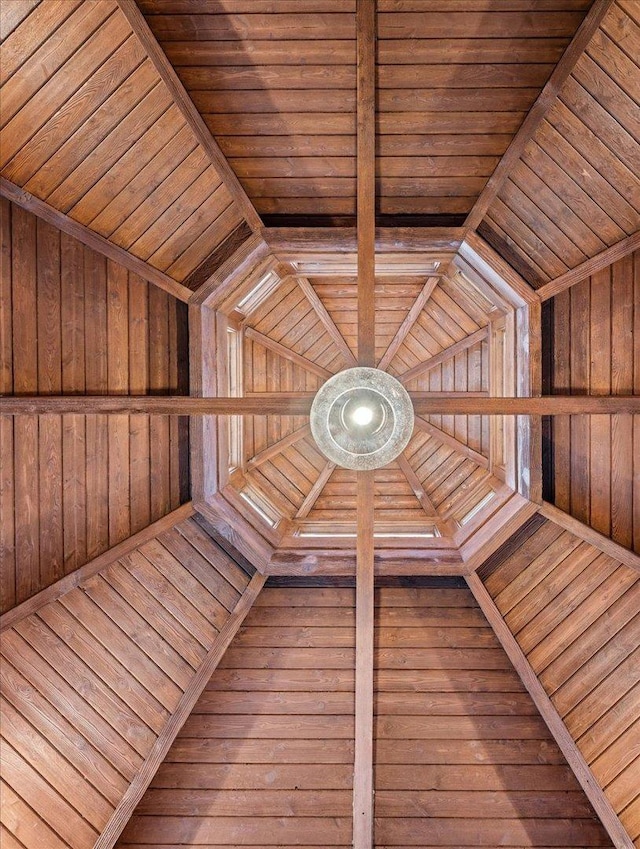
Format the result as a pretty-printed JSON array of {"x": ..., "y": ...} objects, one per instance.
[{"x": 362, "y": 418}]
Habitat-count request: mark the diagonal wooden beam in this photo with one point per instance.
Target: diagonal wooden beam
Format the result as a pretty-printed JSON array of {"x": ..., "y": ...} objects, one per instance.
[
  {"x": 287, "y": 353},
  {"x": 327, "y": 321},
  {"x": 92, "y": 240},
  {"x": 366, "y": 178},
  {"x": 316, "y": 489},
  {"x": 290, "y": 439},
  {"x": 363, "y": 759},
  {"x": 299, "y": 404},
  {"x": 196, "y": 685},
  {"x": 536, "y": 114},
  {"x": 418, "y": 490},
  {"x": 588, "y": 534},
  {"x": 447, "y": 354},
  {"x": 407, "y": 324},
  {"x": 602, "y": 260},
  {"x": 550, "y": 715},
  {"x": 188, "y": 110},
  {"x": 451, "y": 441}
]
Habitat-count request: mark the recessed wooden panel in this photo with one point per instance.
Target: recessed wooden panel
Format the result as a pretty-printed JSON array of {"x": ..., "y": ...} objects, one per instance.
[
  {"x": 91, "y": 679},
  {"x": 596, "y": 460},
  {"x": 90, "y": 128},
  {"x": 270, "y": 766},
  {"x": 77, "y": 485},
  {"x": 276, "y": 85},
  {"x": 575, "y": 189},
  {"x": 575, "y": 613}
]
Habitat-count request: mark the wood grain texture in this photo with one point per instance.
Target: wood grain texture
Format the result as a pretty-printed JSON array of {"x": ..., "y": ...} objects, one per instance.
[
  {"x": 572, "y": 612},
  {"x": 81, "y": 324},
  {"x": 96, "y": 687}
]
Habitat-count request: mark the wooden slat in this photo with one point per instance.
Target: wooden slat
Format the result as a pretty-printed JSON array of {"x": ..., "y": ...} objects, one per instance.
[
  {"x": 448, "y": 353},
  {"x": 93, "y": 240},
  {"x": 408, "y": 322},
  {"x": 550, "y": 715},
  {"x": 123, "y": 812},
  {"x": 451, "y": 441},
  {"x": 287, "y": 353},
  {"x": 538, "y": 111},
  {"x": 591, "y": 266},
  {"x": 418, "y": 489},
  {"x": 188, "y": 110},
  {"x": 315, "y": 491},
  {"x": 327, "y": 321}
]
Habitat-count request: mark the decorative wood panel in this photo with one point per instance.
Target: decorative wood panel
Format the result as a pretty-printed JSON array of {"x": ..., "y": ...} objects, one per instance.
[
  {"x": 266, "y": 756},
  {"x": 576, "y": 189},
  {"x": 75, "y": 323},
  {"x": 92, "y": 679},
  {"x": 277, "y": 86},
  {"x": 596, "y": 460},
  {"x": 575, "y": 613},
  {"x": 90, "y": 127}
]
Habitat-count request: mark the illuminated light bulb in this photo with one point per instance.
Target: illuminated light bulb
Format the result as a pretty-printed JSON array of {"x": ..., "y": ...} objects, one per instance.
[{"x": 362, "y": 416}]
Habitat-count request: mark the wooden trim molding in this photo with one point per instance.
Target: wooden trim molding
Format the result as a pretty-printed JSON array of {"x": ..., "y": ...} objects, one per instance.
[
  {"x": 604, "y": 544},
  {"x": 165, "y": 69},
  {"x": 545, "y": 101},
  {"x": 93, "y": 240},
  {"x": 556, "y": 726},
  {"x": 136, "y": 789},
  {"x": 74, "y": 579},
  {"x": 591, "y": 266}
]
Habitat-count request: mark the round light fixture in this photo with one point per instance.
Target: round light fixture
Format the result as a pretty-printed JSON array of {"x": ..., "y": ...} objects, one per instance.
[{"x": 362, "y": 418}]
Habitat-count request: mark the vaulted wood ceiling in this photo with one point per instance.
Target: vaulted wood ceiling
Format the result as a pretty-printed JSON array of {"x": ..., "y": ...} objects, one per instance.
[{"x": 179, "y": 193}]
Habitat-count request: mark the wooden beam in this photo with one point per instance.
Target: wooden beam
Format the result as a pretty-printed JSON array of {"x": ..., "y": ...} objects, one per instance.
[
  {"x": 299, "y": 404},
  {"x": 93, "y": 240},
  {"x": 547, "y": 405},
  {"x": 196, "y": 685},
  {"x": 260, "y": 404},
  {"x": 500, "y": 527},
  {"x": 189, "y": 112},
  {"x": 294, "y": 242},
  {"x": 316, "y": 489},
  {"x": 418, "y": 490},
  {"x": 226, "y": 279},
  {"x": 574, "y": 526},
  {"x": 287, "y": 353},
  {"x": 590, "y": 266},
  {"x": 290, "y": 439},
  {"x": 411, "y": 318},
  {"x": 536, "y": 114},
  {"x": 447, "y": 354},
  {"x": 451, "y": 441},
  {"x": 556, "y": 726},
  {"x": 306, "y": 562},
  {"x": 496, "y": 271},
  {"x": 69, "y": 582},
  {"x": 327, "y": 321},
  {"x": 366, "y": 178},
  {"x": 363, "y": 760}
]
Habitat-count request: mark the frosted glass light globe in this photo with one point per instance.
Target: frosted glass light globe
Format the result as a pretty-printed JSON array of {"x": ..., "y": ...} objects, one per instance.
[{"x": 362, "y": 416}]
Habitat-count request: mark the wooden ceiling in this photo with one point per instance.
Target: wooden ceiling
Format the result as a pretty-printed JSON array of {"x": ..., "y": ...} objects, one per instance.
[{"x": 159, "y": 158}]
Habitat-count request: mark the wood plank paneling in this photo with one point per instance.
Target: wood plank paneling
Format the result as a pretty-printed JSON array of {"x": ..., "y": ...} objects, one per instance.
[
  {"x": 90, "y": 682},
  {"x": 277, "y": 85},
  {"x": 90, "y": 127},
  {"x": 272, "y": 767},
  {"x": 576, "y": 190},
  {"x": 575, "y": 613},
  {"x": 77, "y": 485},
  {"x": 595, "y": 459}
]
